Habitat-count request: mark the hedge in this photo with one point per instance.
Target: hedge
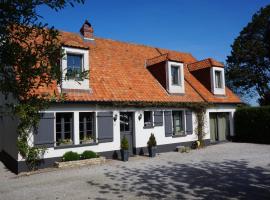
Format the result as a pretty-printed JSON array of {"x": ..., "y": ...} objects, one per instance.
[{"x": 252, "y": 124}]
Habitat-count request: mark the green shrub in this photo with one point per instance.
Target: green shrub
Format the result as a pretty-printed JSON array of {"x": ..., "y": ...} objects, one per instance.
[
  {"x": 252, "y": 124},
  {"x": 124, "y": 143},
  {"x": 88, "y": 155},
  {"x": 70, "y": 156},
  {"x": 152, "y": 141}
]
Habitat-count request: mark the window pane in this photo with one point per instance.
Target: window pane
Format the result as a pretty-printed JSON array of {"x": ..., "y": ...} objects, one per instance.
[
  {"x": 177, "y": 123},
  {"x": 74, "y": 62},
  {"x": 63, "y": 126},
  {"x": 175, "y": 75},
  {"x": 147, "y": 118},
  {"x": 86, "y": 126},
  {"x": 218, "y": 80}
]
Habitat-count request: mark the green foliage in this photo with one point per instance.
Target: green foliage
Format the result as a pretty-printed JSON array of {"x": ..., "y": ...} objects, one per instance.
[
  {"x": 248, "y": 66},
  {"x": 30, "y": 54},
  {"x": 124, "y": 143},
  {"x": 200, "y": 120},
  {"x": 152, "y": 141},
  {"x": 89, "y": 155},
  {"x": 70, "y": 156},
  {"x": 252, "y": 124}
]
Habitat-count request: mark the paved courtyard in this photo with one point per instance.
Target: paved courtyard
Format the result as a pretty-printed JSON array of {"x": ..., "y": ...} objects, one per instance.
[{"x": 223, "y": 171}]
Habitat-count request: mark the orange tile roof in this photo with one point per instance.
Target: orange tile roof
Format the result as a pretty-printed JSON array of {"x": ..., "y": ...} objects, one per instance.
[
  {"x": 209, "y": 62},
  {"x": 118, "y": 73}
]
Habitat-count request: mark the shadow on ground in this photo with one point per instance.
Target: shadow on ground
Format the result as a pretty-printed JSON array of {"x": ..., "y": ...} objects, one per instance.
[{"x": 205, "y": 180}]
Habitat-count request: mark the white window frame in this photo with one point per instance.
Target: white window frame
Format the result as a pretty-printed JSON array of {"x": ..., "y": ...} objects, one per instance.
[
  {"x": 71, "y": 83},
  {"x": 171, "y": 88},
  {"x": 215, "y": 90}
]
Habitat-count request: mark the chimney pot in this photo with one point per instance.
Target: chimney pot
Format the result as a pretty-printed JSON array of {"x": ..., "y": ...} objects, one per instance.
[{"x": 87, "y": 30}]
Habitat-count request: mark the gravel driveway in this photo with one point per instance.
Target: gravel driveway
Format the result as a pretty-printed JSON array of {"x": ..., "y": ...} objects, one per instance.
[{"x": 223, "y": 171}]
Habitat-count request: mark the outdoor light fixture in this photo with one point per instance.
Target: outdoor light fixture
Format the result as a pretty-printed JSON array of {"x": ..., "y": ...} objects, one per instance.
[
  {"x": 115, "y": 117},
  {"x": 140, "y": 116}
]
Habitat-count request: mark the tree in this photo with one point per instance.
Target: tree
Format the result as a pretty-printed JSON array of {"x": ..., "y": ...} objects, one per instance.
[
  {"x": 30, "y": 54},
  {"x": 248, "y": 66}
]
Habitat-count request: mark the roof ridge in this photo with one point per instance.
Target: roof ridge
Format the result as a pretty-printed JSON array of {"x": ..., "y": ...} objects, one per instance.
[
  {"x": 144, "y": 45},
  {"x": 201, "y": 61}
]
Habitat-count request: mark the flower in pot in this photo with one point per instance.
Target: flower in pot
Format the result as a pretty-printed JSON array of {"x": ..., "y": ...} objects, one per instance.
[
  {"x": 87, "y": 139},
  {"x": 65, "y": 142},
  {"x": 152, "y": 146},
  {"x": 124, "y": 149}
]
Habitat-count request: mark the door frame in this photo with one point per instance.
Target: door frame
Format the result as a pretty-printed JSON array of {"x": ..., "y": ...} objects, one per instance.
[
  {"x": 131, "y": 133},
  {"x": 228, "y": 135}
]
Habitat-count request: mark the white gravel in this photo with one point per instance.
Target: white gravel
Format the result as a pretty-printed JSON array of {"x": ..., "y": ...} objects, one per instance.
[{"x": 223, "y": 171}]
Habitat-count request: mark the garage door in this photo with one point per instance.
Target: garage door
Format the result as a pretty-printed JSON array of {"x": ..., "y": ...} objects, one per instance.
[{"x": 219, "y": 126}]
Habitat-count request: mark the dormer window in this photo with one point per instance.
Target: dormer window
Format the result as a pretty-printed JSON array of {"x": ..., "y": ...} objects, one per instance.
[
  {"x": 74, "y": 65},
  {"x": 217, "y": 81},
  {"x": 175, "y": 77}
]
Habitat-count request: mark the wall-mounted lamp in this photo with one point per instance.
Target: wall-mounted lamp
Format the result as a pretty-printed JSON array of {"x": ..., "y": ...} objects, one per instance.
[
  {"x": 140, "y": 116},
  {"x": 115, "y": 117}
]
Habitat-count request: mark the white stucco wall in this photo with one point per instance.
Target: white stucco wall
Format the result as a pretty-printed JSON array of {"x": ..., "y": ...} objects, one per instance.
[{"x": 141, "y": 134}]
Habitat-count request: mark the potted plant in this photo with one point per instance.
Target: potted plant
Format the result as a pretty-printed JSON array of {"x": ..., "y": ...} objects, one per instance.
[
  {"x": 124, "y": 149},
  {"x": 152, "y": 146},
  {"x": 65, "y": 142},
  {"x": 87, "y": 139}
]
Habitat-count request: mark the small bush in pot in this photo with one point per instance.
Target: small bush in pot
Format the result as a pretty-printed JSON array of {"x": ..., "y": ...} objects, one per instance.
[
  {"x": 124, "y": 149},
  {"x": 89, "y": 155},
  {"x": 70, "y": 156},
  {"x": 152, "y": 146}
]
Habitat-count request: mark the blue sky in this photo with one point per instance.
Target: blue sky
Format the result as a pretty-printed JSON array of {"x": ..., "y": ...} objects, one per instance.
[{"x": 205, "y": 28}]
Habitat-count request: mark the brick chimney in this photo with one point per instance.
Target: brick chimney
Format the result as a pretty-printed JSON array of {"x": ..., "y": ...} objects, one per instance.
[{"x": 87, "y": 30}]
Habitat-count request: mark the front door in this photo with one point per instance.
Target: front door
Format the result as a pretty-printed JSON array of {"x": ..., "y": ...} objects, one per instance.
[
  {"x": 219, "y": 126},
  {"x": 126, "y": 128}
]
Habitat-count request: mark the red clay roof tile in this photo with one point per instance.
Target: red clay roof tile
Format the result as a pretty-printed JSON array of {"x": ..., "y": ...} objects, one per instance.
[{"x": 118, "y": 73}]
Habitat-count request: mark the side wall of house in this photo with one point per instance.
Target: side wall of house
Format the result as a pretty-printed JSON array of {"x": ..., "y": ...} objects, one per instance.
[{"x": 8, "y": 131}]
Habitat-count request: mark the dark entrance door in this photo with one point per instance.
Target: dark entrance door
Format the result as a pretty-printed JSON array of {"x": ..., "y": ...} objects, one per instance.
[
  {"x": 219, "y": 126},
  {"x": 126, "y": 128}
]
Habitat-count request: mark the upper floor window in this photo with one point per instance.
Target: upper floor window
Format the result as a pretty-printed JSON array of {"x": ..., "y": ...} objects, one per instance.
[
  {"x": 74, "y": 65},
  {"x": 75, "y": 68},
  {"x": 218, "y": 79},
  {"x": 175, "y": 75},
  {"x": 178, "y": 123},
  {"x": 148, "y": 118}
]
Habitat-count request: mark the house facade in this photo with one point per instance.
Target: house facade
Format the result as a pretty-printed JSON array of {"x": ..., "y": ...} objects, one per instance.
[{"x": 133, "y": 90}]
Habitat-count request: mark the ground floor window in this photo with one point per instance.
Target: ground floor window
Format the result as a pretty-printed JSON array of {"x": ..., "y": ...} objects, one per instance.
[
  {"x": 64, "y": 128},
  {"x": 178, "y": 123},
  {"x": 87, "y": 133},
  {"x": 148, "y": 118}
]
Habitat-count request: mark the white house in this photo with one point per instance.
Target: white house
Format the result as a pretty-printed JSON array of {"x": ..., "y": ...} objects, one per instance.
[{"x": 132, "y": 90}]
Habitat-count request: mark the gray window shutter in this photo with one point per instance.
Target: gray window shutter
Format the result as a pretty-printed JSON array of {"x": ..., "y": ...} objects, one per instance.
[
  {"x": 168, "y": 123},
  {"x": 44, "y": 132},
  {"x": 189, "y": 122},
  {"x": 105, "y": 126},
  {"x": 158, "y": 118}
]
